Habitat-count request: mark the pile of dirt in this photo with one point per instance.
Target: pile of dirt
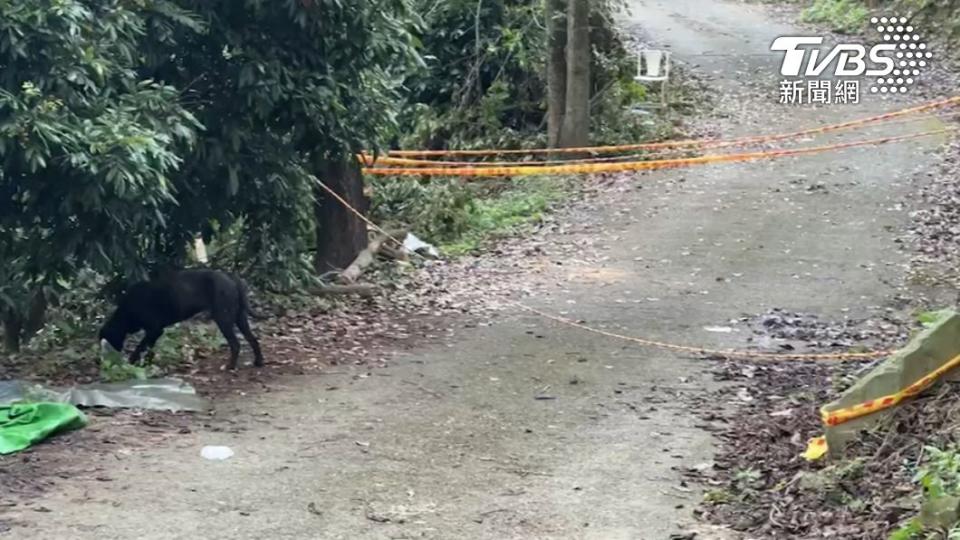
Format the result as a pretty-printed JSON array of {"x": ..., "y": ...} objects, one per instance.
[{"x": 760, "y": 484}]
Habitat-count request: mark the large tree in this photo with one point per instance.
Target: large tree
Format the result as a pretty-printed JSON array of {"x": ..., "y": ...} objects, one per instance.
[
  {"x": 86, "y": 146},
  {"x": 556, "y": 22},
  {"x": 289, "y": 92},
  {"x": 575, "y": 129},
  {"x": 128, "y": 127}
]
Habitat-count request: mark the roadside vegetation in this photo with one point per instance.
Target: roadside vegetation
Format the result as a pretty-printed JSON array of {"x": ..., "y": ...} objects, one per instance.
[
  {"x": 845, "y": 16},
  {"x": 937, "y": 18}
]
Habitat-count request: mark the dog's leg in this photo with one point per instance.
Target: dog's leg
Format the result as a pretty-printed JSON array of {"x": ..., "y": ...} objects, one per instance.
[
  {"x": 149, "y": 340},
  {"x": 244, "y": 325},
  {"x": 225, "y": 324}
]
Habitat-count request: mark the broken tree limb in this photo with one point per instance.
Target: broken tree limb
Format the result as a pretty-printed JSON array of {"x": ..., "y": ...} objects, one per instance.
[
  {"x": 393, "y": 252},
  {"x": 363, "y": 260},
  {"x": 374, "y": 247}
]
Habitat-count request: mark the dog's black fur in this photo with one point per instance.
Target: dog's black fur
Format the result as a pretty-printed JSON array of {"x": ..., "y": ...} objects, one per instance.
[{"x": 176, "y": 296}]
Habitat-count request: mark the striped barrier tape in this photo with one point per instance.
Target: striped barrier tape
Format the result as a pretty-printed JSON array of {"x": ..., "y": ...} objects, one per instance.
[
  {"x": 840, "y": 416},
  {"x": 371, "y": 161},
  {"x": 596, "y": 168},
  {"x": 817, "y": 447},
  {"x": 682, "y": 143}
]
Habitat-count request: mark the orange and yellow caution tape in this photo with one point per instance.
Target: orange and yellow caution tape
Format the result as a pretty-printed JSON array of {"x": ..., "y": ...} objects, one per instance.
[
  {"x": 817, "y": 447},
  {"x": 369, "y": 160},
  {"x": 596, "y": 168},
  {"x": 947, "y": 102},
  {"x": 840, "y": 416}
]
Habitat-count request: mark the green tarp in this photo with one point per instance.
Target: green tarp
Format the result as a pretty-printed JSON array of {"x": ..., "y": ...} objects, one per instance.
[{"x": 25, "y": 424}]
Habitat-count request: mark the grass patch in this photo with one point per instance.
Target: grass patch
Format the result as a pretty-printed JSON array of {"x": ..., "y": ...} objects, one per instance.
[
  {"x": 844, "y": 16},
  {"x": 507, "y": 212},
  {"x": 460, "y": 217}
]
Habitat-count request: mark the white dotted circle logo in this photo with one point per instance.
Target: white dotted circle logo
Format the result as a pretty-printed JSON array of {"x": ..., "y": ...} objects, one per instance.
[{"x": 911, "y": 55}]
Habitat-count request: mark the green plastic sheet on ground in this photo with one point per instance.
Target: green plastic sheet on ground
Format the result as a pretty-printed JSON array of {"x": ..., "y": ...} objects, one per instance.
[{"x": 25, "y": 424}]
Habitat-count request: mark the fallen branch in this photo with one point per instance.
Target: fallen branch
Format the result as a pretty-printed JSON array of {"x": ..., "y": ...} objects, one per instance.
[
  {"x": 393, "y": 252},
  {"x": 363, "y": 260},
  {"x": 368, "y": 255}
]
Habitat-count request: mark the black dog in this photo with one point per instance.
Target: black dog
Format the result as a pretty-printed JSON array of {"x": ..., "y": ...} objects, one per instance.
[{"x": 154, "y": 305}]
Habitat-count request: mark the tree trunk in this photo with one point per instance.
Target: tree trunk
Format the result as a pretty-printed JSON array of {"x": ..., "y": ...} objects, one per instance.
[
  {"x": 575, "y": 130},
  {"x": 554, "y": 12},
  {"x": 12, "y": 328},
  {"x": 341, "y": 235},
  {"x": 36, "y": 316}
]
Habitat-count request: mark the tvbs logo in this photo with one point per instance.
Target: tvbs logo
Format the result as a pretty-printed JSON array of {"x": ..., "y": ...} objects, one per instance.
[
  {"x": 896, "y": 62},
  {"x": 850, "y": 58}
]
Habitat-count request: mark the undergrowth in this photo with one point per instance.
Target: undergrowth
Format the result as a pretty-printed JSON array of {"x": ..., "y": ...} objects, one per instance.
[
  {"x": 178, "y": 345},
  {"x": 844, "y": 16},
  {"x": 939, "y": 480},
  {"x": 461, "y": 216}
]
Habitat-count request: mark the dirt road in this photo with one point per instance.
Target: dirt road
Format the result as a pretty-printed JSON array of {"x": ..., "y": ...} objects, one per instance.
[{"x": 523, "y": 429}]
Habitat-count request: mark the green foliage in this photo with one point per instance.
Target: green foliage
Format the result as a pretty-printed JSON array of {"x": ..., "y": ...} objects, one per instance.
[
  {"x": 845, "y": 16},
  {"x": 115, "y": 368},
  {"x": 77, "y": 313},
  {"x": 279, "y": 87},
  {"x": 461, "y": 216},
  {"x": 86, "y": 146},
  {"x": 126, "y": 128},
  {"x": 507, "y": 212},
  {"x": 178, "y": 345},
  {"x": 438, "y": 210},
  {"x": 928, "y": 318},
  {"x": 247, "y": 249},
  {"x": 181, "y": 343},
  {"x": 718, "y": 496},
  {"x": 129, "y": 127},
  {"x": 908, "y": 531},
  {"x": 482, "y": 78},
  {"x": 938, "y": 478},
  {"x": 484, "y": 82},
  {"x": 935, "y": 17}
]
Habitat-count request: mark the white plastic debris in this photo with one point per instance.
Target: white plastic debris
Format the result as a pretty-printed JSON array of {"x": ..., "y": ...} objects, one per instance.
[
  {"x": 216, "y": 453},
  {"x": 718, "y": 329},
  {"x": 416, "y": 245},
  {"x": 200, "y": 249}
]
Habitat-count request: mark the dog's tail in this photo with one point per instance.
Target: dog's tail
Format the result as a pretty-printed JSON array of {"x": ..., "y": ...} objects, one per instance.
[{"x": 245, "y": 298}]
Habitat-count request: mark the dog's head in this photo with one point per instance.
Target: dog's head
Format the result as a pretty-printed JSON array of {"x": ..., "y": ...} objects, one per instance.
[{"x": 113, "y": 334}]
